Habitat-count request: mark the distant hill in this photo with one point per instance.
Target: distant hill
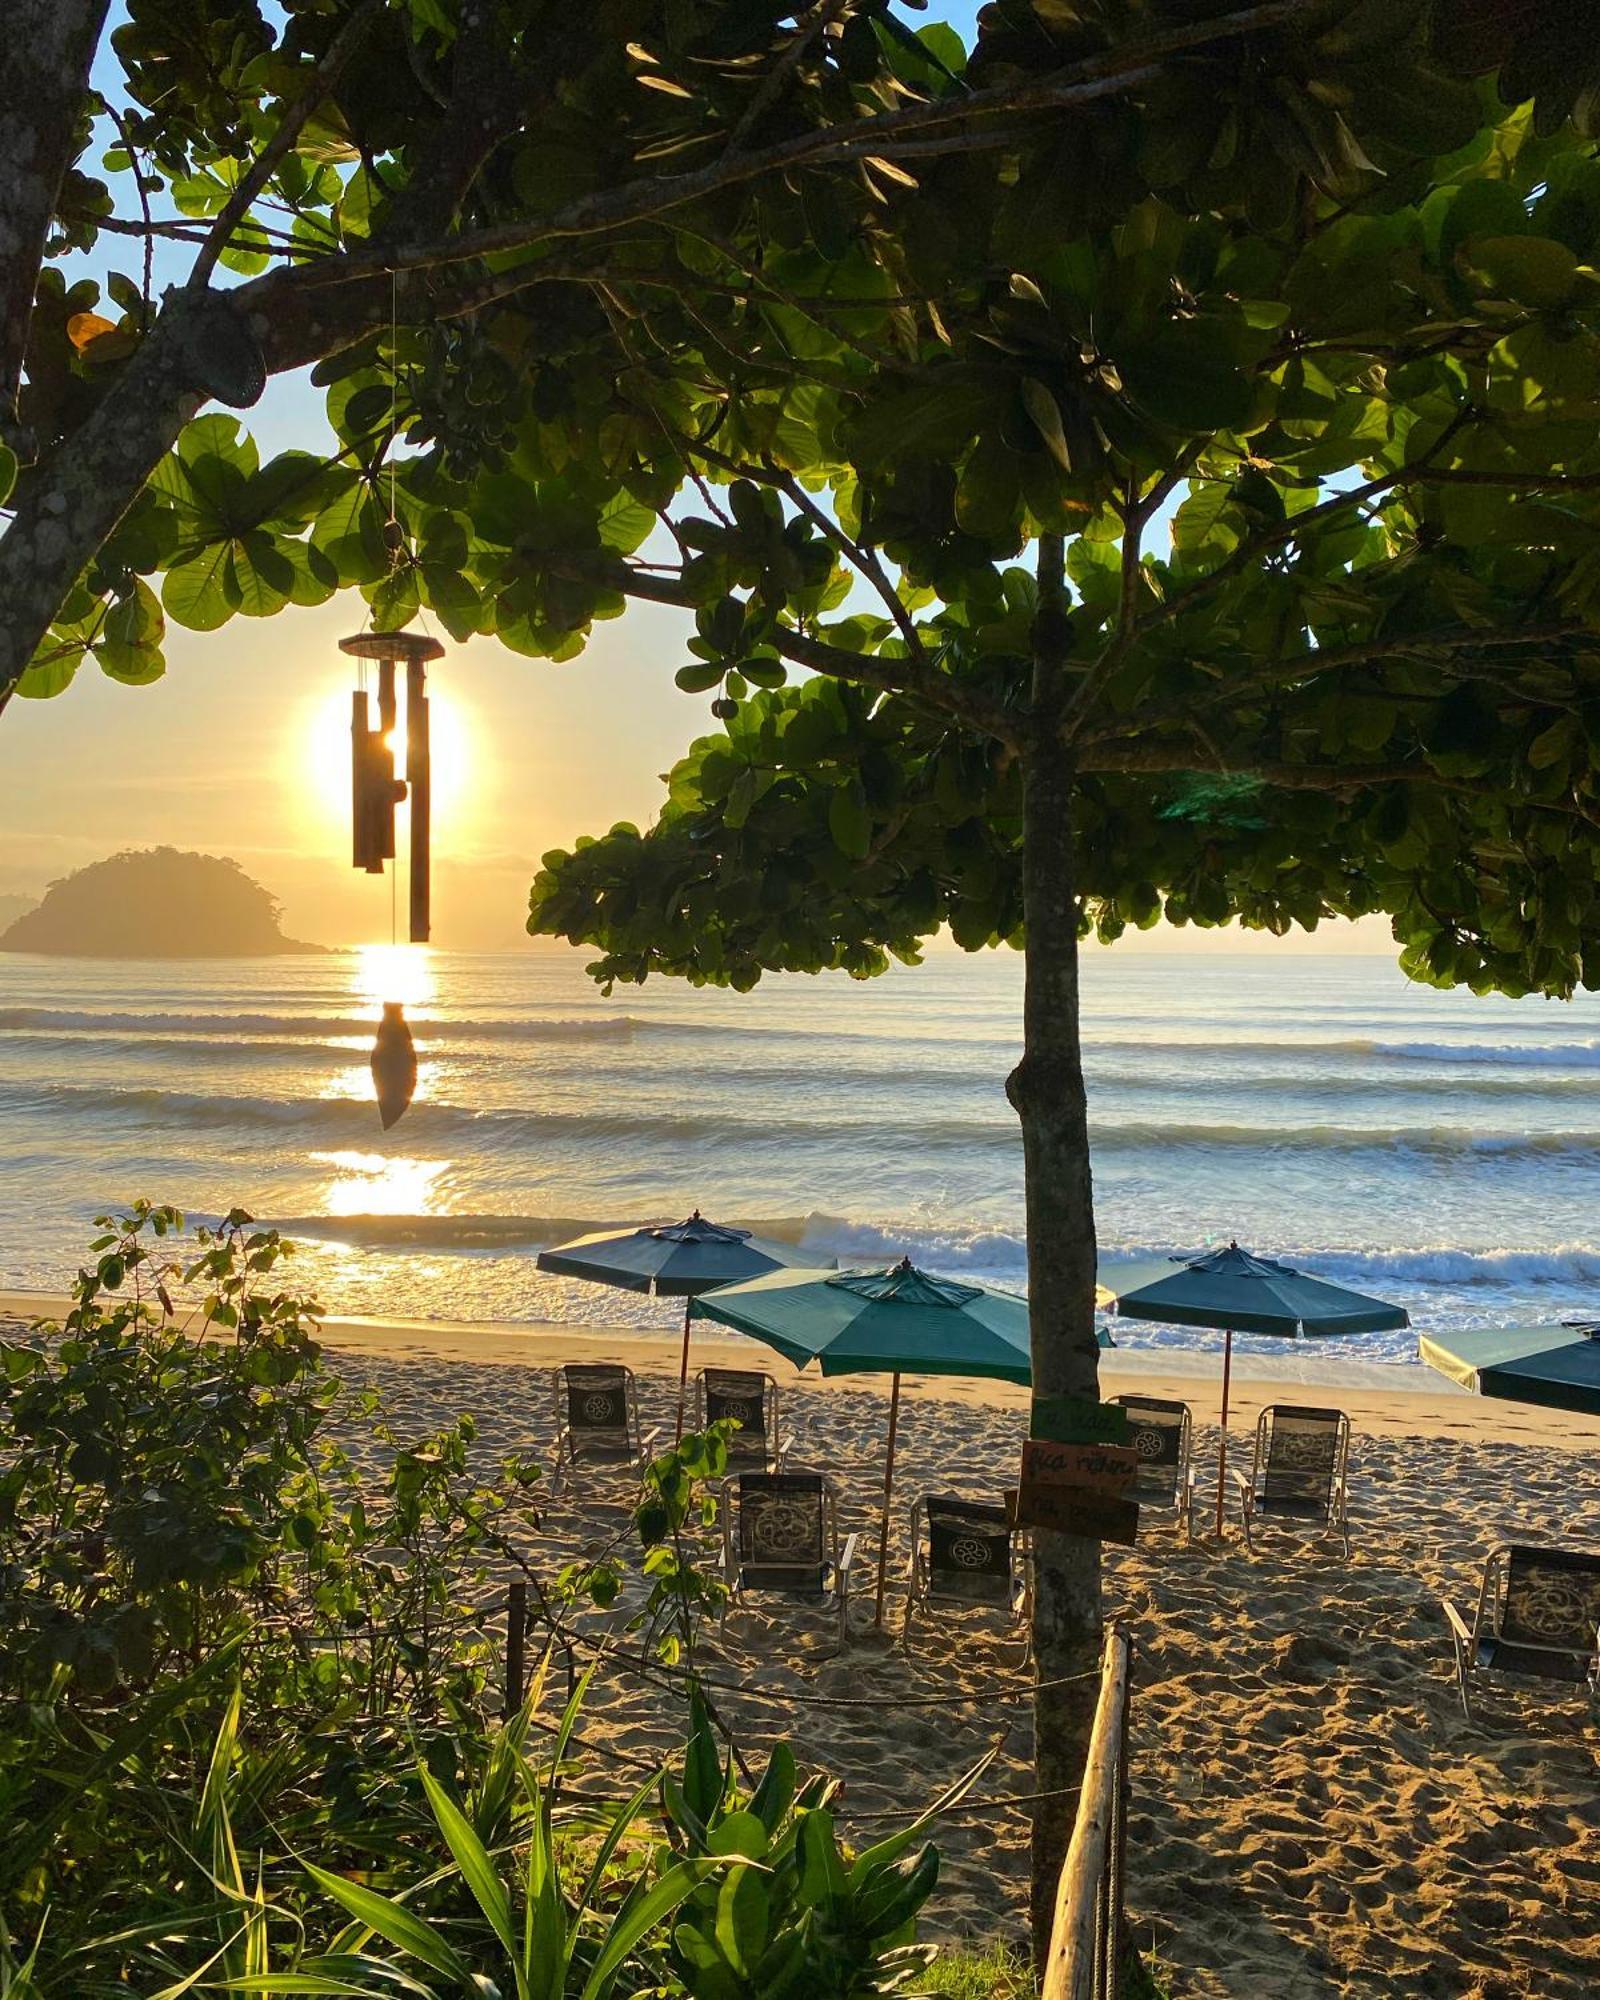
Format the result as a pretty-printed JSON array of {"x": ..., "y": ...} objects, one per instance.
[
  {"x": 154, "y": 903},
  {"x": 12, "y": 907}
]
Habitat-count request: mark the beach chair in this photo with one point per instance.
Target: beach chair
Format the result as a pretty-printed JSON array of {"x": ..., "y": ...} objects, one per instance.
[
  {"x": 1538, "y": 1615},
  {"x": 1159, "y": 1432},
  {"x": 780, "y": 1532},
  {"x": 750, "y": 1398},
  {"x": 965, "y": 1552},
  {"x": 597, "y": 1418},
  {"x": 1297, "y": 1478}
]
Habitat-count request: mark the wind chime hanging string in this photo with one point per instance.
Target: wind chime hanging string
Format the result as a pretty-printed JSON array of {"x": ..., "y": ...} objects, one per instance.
[{"x": 375, "y": 790}]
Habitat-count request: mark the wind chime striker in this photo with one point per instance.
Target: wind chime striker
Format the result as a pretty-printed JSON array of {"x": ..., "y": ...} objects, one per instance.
[{"x": 375, "y": 792}]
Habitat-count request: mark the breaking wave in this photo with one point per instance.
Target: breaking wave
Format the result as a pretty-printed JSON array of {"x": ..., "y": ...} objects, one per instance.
[{"x": 310, "y": 1027}]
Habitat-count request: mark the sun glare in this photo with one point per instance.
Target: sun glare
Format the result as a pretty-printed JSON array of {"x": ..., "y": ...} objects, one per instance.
[
  {"x": 371, "y": 1184},
  {"x": 319, "y": 758},
  {"x": 402, "y": 972}
]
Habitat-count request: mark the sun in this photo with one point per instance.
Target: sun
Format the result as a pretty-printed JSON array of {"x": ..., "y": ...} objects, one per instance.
[{"x": 318, "y": 754}]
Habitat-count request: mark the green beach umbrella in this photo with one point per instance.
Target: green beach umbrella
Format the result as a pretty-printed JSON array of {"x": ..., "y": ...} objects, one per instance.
[
  {"x": 888, "y": 1322},
  {"x": 677, "y": 1260},
  {"x": 1236, "y": 1292},
  {"x": 1557, "y": 1366}
]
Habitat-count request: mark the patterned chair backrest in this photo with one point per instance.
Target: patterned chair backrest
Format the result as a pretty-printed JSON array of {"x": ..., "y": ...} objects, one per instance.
[
  {"x": 740, "y": 1394},
  {"x": 598, "y": 1402},
  {"x": 1302, "y": 1456},
  {"x": 1551, "y": 1598},
  {"x": 782, "y": 1528},
  {"x": 969, "y": 1548},
  {"x": 1158, "y": 1431}
]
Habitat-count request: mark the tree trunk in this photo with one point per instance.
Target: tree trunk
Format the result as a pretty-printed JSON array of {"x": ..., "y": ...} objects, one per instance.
[
  {"x": 68, "y": 505},
  {"x": 46, "y": 48},
  {"x": 1047, "y": 1090}
]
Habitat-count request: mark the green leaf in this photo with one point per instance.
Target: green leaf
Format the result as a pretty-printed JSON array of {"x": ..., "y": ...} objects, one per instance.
[
  {"x": 8, "y": 472},
  {"x": 1532, "y": 270},
  {"x": 1187, "y": 376},
  {"x": 473, "y": 1859},
  {"x": 392, "y": 1921},
  {"x": 930, "y": 421},
  {"x": 849, "y": 821},
  {"x": 201, "y": 593},
  {"x": 1045, "y": 414},
  {"x": 263, "y": 576},
  {"x": 640, "y": 1914},
  {"x": 625, "y": 522}
]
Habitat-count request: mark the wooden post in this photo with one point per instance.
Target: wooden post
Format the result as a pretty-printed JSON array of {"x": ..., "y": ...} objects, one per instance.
[
  {"x": 419, "y": 780},
  {"x": 516, "y": 1638},
  {"x": 888, "y": 1495},
  {"x": 683, "y": 1372},
  {"x": 1222, "y": 1448},
  {"x": 1070, "y": 1965}
]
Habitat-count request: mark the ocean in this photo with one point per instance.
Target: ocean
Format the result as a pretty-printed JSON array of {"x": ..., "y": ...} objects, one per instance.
[{"x": 1437, "y": 1149}]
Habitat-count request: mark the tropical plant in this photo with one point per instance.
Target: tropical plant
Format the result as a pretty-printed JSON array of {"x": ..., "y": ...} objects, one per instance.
[
  {"x": 807, "y": 1916},
  {"x": 674, "y": 1519}
]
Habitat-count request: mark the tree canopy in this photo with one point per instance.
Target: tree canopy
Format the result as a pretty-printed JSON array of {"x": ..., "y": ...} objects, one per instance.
[{"x": 1315, "y": 422}]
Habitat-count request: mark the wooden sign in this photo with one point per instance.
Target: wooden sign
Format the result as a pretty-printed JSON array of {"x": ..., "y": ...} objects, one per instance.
[
  {"x": 1074, "y": 1420},
  {"x": 1074, "y": 1510},
  {"x": 1101, "y": 1468}
]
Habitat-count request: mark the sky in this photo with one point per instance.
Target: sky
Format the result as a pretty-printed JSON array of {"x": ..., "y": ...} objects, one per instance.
[{"x": 243, "y": 749}]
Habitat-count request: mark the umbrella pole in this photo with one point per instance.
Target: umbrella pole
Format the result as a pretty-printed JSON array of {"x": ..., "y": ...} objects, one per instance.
[
  {"x": 888, "y": 1495},
  {"x": 683, "y": 1372},
  {"x": 1222, "y": 1449}
]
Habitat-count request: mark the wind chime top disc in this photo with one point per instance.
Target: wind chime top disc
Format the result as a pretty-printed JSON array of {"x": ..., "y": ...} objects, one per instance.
[{"x": 392, "y": 646}]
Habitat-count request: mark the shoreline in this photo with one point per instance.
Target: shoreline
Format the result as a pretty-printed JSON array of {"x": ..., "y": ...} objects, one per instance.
[{"x": 1424, "y": 1405}]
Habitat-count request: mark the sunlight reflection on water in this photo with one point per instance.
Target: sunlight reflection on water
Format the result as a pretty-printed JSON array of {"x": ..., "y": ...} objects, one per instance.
[{"x": 372, "y": 1184}]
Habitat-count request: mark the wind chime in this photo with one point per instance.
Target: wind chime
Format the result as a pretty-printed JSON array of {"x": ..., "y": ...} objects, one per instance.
[{"x": 375, "y": 792}]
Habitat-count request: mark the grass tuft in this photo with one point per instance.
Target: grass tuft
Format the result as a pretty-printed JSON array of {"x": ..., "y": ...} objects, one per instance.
[{"x": 1002, "y": 1972}]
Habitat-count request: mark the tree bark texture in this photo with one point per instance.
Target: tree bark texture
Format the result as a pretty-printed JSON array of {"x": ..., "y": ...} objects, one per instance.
[
  {"x": 46, "y": 47},
  {"x": 1047, "y": 1091},
  {"x": 68, "y": 507}
]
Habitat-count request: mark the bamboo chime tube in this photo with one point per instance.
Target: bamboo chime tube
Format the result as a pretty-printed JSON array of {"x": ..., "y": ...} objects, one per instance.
[
  {"x": 387, "y": 793},
  {"x": 419, "y": 783}
]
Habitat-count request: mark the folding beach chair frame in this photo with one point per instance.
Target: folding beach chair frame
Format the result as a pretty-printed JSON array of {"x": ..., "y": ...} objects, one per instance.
[
  {"x": 1488, "y": 1618},
  {"x": 1336, "y": 1518},
  {"x": 570, "y": 1444},
  {"x": 742, "y": 1577},
  {"x": 774, "y": 1449},
  {"x": 922, "y": 1589},
  {"x": 1185, "y": 1477}
]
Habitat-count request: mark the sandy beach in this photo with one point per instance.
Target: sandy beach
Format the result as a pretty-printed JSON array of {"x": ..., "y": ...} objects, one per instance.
[{"x": 1312, "y": 1814}]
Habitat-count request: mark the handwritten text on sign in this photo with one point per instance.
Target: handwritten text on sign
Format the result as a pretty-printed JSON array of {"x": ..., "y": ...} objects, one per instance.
[
  {"x": 1100, "y": 1468},
  {"x": 1074, "y": 1510}
]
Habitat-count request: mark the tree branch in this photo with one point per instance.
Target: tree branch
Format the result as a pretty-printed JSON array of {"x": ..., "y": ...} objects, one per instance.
[
  {"x": 1250, "y": 552},
  {"x": 148, "y": 228},
  {"x": 1313, "y": 664},
  {"x": 776, "y": 81},
  {"x": 890, "y": 134},
  {"x": 290, "y": 126}
]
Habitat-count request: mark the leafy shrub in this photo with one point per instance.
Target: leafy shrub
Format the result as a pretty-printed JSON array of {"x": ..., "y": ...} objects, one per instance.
[
  {"x": 243, "y": 1739},
  {"x": 147, "y": 1470}
]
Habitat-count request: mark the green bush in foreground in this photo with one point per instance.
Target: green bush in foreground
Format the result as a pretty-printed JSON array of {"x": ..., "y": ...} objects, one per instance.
[{"x": 245, "y": 1741}]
